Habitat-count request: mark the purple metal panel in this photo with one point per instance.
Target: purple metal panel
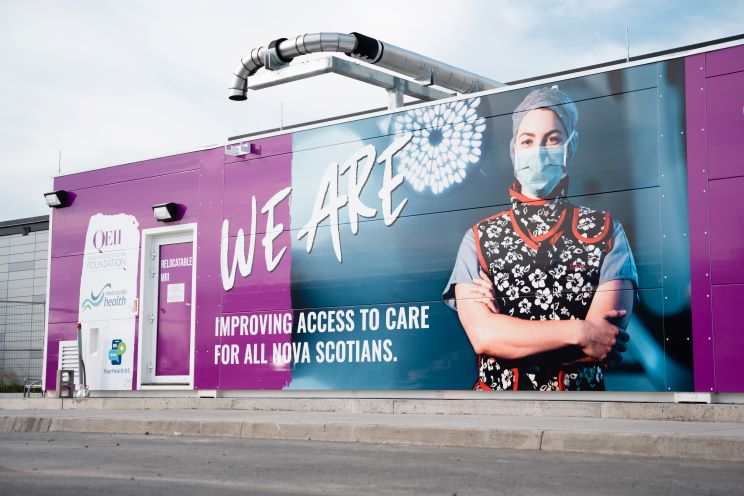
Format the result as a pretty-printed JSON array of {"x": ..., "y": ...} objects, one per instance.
[
  {"x": 724, "y": 61},
  {"x": 135, "y": 197},
  {"x": 129, "y": 172},
  {"x": 130, "y": 189},
  {"x": 697, "y": 173},
  {"x": 64, "y": 288},
  {"x": 729, "y": 339},
  {"x": 208, "y": 285},
  {"x": 726, "y": 232},
  {"x": 262, "y": 179},
  {"x": 174, "y": 311},
  {"x": 262, "y": 289},
  {"x": 725, "y": 108}
]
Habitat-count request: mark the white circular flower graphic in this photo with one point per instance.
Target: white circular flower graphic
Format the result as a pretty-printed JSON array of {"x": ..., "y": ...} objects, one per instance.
[{"x": 446, "y": 139}]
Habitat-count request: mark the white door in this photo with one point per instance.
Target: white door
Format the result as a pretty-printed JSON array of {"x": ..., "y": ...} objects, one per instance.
[{"x": 167, "y": 313}]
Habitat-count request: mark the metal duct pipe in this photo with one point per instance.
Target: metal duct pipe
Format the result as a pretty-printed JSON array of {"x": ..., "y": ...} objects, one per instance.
[{"x": 359, "y": 46}]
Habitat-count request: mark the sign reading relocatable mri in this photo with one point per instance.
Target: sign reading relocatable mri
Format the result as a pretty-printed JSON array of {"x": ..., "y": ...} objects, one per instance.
[{"x": 575, "y": 234}]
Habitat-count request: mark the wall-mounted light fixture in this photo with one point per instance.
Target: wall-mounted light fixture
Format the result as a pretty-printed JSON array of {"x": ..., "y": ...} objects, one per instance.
[
  {"x": 165, "y": 212},
  {"x": 242, "y": 149},
  {"x": 56, "y": 199}
]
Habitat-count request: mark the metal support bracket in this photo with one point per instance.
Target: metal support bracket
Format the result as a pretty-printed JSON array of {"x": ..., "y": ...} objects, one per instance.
[
  {"x": 396, "y": 86},
  {"x": 395, "y": 95}
]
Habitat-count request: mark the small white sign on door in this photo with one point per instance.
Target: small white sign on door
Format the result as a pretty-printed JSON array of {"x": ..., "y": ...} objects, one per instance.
[{"x": 176, "y": 293}]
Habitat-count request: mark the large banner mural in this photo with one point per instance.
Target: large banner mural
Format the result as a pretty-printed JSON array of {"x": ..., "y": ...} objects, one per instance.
[
  {"x": 511, "y": 241},
  {"x": 536, "y": 238}
]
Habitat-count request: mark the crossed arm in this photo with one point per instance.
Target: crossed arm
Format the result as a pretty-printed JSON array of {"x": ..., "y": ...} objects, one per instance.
[{"x": 601, "y": 336}]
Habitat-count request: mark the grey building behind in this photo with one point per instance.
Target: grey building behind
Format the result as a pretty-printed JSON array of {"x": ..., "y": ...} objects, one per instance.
[{"x": 24, "y": 247}]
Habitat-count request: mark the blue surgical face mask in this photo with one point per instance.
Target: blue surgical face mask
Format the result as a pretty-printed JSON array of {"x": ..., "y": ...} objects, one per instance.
[{"x": 539, "y": 169}]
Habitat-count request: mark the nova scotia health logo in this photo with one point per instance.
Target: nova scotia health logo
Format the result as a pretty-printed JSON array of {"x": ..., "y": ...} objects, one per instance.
[{"x": 95, "y": 300}]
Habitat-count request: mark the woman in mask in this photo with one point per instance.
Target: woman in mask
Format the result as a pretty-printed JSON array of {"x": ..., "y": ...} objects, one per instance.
[{"x": 544, "y": 289}]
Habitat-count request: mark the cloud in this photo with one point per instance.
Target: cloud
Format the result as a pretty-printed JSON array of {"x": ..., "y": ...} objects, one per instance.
[{"x": 109, "y": 82}]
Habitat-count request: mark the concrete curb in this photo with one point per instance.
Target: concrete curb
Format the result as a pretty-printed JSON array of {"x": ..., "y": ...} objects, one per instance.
[
  {"x": 608, "y": 443},
  {"x": 650, "y": 445},
  {"x": 733, "y": 413}
]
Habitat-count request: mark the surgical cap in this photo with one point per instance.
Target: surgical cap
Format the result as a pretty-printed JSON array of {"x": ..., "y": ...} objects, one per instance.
[{"x": 555, "y": 100}]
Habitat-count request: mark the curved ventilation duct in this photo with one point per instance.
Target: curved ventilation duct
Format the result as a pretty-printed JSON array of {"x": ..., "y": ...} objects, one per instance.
[{"x": 370, "y": 50}]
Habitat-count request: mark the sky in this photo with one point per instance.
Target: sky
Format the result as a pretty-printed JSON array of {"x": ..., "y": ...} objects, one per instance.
[{"x": 112, "y": 82}]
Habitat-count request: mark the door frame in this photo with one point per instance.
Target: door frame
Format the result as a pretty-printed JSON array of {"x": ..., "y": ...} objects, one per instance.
[{"x": 146, "y": 339}]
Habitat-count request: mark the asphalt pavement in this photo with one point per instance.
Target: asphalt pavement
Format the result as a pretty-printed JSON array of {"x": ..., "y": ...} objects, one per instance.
[
  {"x": 569, "y": 429},
  {"x": 66, "y": 463}
]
